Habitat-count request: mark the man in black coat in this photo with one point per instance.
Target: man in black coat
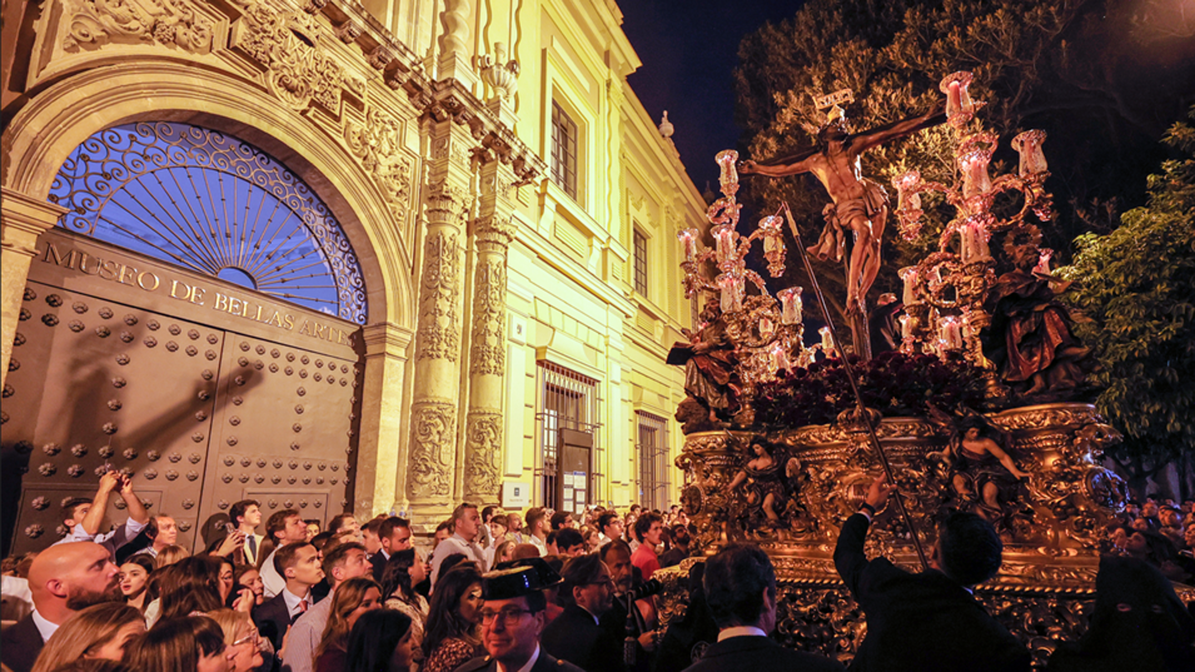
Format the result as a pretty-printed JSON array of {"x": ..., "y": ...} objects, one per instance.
[
  {"x": 740, "y": 589},
  {"x": 928, "y": 621},
  {"x": 575, "y": 635}
]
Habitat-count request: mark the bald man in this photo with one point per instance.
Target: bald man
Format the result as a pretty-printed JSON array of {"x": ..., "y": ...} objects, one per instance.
[{"x": 63, "y": 579}]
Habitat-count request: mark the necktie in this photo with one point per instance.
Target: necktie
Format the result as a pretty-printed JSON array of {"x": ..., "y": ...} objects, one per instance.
[
  {"x": 303, "y": 605},
  {"x": 252, "y": 549}
]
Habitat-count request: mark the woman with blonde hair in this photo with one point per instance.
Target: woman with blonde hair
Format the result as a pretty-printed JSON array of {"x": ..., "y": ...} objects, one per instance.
[
  {"x": 99, "y": 631},
  {"x": 351, "y": 599},
  {"x": 245, "y": 645},
  {"x": 170, "y": 555}
]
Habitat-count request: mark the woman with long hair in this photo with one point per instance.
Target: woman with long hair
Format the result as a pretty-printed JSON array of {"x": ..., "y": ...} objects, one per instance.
[
  {"x": 404, "y": 571},
  {"x": 247, "y": 576},
  {"x": 189, "y": 585},
  {"x": 504, "y": 552},
  {"x": 451, "y": 636},
  {"x": 134, "y": 580},
  {"x": 180, "y": 644},
  {"x": 380, "y": 642},
  {"x": 245, "y": 645},
  {"x": 99, "y": 631},
  {"x": 351, "y": 599}
]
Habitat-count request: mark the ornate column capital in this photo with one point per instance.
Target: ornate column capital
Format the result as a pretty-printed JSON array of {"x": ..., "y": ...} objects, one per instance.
[
  {"x": 496, "y": 229},
  {"x": 447, "y": 202}
]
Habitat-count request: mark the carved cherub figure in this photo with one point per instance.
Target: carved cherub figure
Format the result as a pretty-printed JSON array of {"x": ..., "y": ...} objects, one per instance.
[{"x": 981, "y": 471}]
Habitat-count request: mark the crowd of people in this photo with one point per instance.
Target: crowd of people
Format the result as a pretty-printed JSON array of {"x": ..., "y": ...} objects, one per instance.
[{"x": 527, "y": 593}]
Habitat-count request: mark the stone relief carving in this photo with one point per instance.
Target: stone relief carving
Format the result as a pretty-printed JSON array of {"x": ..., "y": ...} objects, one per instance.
[
  {"x": 483, "y": 473},
  {"x": 431, "y": 449},
  {"x": 438, "y": 333},
  {"x": 296, "y": 71},
  {"x": 489, "y": 320},
  {"x": 376, "y": 144},
  {"x": 173, "y": 23}
]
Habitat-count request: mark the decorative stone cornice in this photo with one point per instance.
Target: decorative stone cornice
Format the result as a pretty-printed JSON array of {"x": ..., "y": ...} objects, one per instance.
[
  {"x": 402, "y": 70},
  {"x": 24, "y": 219}
]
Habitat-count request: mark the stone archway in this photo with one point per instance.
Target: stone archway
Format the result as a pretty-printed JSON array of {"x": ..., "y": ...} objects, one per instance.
[{"x": 57, "y": 119}]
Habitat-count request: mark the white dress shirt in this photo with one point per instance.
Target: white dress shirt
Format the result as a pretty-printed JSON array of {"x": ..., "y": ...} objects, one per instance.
[{"x": 455, "y": 544}]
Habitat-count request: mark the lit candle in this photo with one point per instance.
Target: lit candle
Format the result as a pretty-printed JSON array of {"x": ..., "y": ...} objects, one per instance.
[
  {"x": 726, "y": 297},
  {"x": 827, "y": 341},
  {"x": 688, "y": 238},
  {"x": 724, "y": 236},
  {"x": 906, "y": 327},
  {"x": 766, "y": 328},
  {"x": 975, "y": 173},
  {"x": 790, "y": 302},
  {"x": 1028, "y": 145},
  {"x": 951, "y": 333},
  {"x": 778, "y": 358},
  {"x": 967, "y": 242},
  {"x": 909, "y": 275}
]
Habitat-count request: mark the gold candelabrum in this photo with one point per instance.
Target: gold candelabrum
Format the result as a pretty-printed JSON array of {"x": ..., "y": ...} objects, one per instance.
[
  {"x": 1053, "y": 522},
  {"x": 766, "y": 331},
  {"x": 944, "y": 294}
]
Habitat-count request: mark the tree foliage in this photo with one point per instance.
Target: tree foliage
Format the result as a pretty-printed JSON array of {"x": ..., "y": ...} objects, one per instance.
[
  {"x": 1137, "y": 284},
  {"x": 1102, "y": 77}
]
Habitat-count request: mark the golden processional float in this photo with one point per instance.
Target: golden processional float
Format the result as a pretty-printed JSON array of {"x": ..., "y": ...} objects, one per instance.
[{"x": 970, "y": 411}]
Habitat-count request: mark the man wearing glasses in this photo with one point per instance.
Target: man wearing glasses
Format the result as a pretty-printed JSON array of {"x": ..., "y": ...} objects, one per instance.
[
  {"x": 576, "y": 634},
  {"x": 512, "y": 618}
]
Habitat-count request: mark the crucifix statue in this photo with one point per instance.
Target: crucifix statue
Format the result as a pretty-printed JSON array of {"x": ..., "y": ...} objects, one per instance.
[{"x": 860, "y": 204}]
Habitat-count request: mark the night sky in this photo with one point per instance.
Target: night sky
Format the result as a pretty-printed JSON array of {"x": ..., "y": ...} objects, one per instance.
[{"x": 689, "y": 49}]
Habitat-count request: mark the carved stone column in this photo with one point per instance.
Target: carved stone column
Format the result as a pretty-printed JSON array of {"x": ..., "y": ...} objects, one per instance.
[
  {"x": 22, "y": 220},
  {"x": 484, "y": 437},
  {"x": 493, "y": 231},
  {"x": 432, "y": 470}
]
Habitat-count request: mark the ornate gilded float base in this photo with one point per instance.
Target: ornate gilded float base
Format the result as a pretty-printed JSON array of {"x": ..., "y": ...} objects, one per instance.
[{"x": 1052, "y": 523}]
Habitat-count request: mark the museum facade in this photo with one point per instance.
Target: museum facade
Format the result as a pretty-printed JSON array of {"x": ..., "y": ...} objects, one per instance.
[{"x": 383, "y": 257}]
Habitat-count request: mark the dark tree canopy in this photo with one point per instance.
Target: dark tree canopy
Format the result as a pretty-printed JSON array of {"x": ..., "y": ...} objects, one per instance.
[
  {"x": 1103, "y": 78},
  {"x": 1137, "y": 284}
]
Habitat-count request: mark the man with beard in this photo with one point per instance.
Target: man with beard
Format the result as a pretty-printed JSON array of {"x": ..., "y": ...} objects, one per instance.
[
  {"x": 575, "y": 634},
  {"x": 63, "y": 579},
  {"x": 617, "y": 556},
  {"x": 512, "y": 618}
]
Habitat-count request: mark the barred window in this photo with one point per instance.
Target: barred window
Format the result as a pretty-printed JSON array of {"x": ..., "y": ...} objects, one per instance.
[
  {"x": 640, "y": 261},
  {"x": 653, "y": 461},
  {"x": 564, "y": 150}
]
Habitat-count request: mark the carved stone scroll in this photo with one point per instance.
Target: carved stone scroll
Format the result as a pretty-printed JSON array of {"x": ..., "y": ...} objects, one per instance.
[
  {"x": 93, "y": 24},
  {"x": 433, "y": 437},
  {"x": 483, "y": 439},
  {"x": 438, "y": 335},
  {"x": 376, "y": 144}
]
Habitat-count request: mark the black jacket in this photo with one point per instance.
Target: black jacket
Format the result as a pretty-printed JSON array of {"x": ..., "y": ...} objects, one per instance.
[
  {"x": 574, "y": 636},
  {"x": 272, "y": 619},
  {"x": 920, "y": 621},
  {"x": 21, "y": 642},
  {"x": 758, "y": 654}
]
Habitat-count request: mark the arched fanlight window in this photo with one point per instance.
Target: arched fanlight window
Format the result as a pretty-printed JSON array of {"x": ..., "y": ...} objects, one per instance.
[{"x": 213, "y": 204}]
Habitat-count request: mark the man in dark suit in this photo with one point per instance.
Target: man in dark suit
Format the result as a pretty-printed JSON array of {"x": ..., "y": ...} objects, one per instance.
[
  {"x": 394, "y": 535},
  {"x": 63, "y": 579},
  {"x": 575, "y": 635},
  {"x": 927, "y": 621},
  {"x": 299, "y": 564},
  {"x": 512, "y": 618},
  {"x": 740, "y": 589}
]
